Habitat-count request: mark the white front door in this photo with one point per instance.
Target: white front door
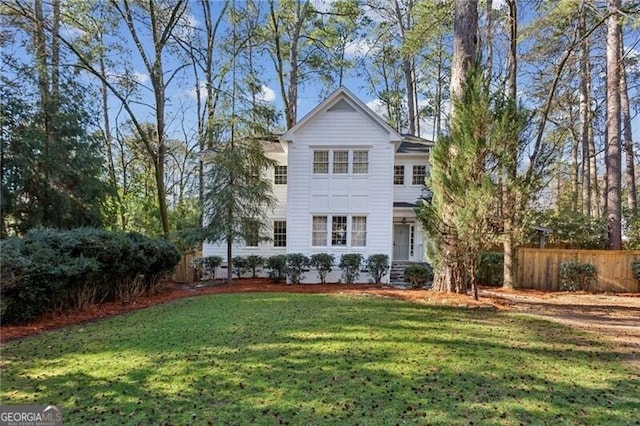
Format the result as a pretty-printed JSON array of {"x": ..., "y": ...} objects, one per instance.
[{"x": 401, "y": 242}]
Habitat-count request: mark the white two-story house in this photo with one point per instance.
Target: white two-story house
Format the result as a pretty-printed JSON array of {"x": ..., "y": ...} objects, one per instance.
[{"x": 346, "y": 183}]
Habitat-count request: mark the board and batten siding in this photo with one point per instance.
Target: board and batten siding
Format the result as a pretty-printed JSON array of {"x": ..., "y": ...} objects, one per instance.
[{"x": 369, "y": 195}]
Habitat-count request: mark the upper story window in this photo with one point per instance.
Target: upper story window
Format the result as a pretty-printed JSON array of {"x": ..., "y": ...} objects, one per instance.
[
  {"x": 340, "y": 162},
  {"x": 280, "y": 175},
  {"x": 419, "y": 175},
  {"x": 320, "y": 162},
  {"x": 279, "y": 233},
  {"x": 398, "y": 175},
  {"x": 360, "y": 162}
]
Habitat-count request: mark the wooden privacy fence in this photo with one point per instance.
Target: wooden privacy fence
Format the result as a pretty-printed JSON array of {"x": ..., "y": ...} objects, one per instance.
[
  {"x": 540, "y": 268},
  {"x": 184, "y": 272}
]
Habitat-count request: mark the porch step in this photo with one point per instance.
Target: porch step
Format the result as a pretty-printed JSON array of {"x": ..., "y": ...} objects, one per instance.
[{"x": 396, "y": 272}]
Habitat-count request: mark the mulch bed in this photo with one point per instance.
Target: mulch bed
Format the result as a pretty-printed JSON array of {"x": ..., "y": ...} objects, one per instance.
[{"x": 175, "y": 291}]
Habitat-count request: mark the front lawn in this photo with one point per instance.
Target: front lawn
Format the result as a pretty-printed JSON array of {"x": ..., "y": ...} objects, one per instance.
[{"x": 259, "y": 358}]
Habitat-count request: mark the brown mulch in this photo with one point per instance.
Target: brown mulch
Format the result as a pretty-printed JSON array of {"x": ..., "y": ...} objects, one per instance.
[{"x": 616, "y": 316}]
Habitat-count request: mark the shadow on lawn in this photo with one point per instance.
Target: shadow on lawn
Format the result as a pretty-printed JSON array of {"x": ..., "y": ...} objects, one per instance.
[{"x": 330, "y": 360}]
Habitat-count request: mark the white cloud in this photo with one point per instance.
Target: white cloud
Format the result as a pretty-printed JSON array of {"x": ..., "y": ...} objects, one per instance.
[
  {"x": 358, "y": 48},
  {"x": 140, "y": 77},
  {"x": 266, "y": 94},
  {"x": 193, "y": 93}
]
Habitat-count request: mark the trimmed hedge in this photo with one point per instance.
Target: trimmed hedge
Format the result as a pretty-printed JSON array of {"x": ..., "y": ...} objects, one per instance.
[{"x": 53, "y": 270}]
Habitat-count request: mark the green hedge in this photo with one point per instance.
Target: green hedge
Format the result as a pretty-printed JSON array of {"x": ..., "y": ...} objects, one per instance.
[{"x": 52, "y": 270}]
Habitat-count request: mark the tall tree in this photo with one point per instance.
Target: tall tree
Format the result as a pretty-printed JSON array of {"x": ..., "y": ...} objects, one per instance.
[
  {"x": 630, "y": 173},
  {"x": 613, "y": 154}
]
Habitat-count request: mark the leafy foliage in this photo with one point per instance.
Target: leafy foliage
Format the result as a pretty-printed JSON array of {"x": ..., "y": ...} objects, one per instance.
[
  {"x": 253, "y": 263},
  {"x": 350, "y": 264},
  {"x": 378, "y": 266},
  {"x": 323, "y": 262},
  {"x": 490, "y": 268},
  {"x": 52, "y": 270},
  {"x": 240, "y": 266},
  {"x": 418, "y": 276},
  {"x": 576, "y": 276},
  {"x": 277, "y": 266},
  {"x": 636, "y": 269},
  {"x": 206, "y": 265},
  {"x": 296, "y": 265},
  {"x": 573, "y": 229}
]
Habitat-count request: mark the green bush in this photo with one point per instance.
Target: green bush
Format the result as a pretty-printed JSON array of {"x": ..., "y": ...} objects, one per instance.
[
  {"x": 636, "y": 269},
  {"x": 323, "y": 262},
  {"x": 240, "y": 266},
  {"x": 206, "y": 266},
  {"x": 350, "y": 264},
  {"x": 253, "y": 263},
  {"x": 417, "y": 276},
  {"x": 575, "y": 276},
  {"x": 51, "y": 270},
  {"x": 378, "y": 266},
  {"x": 277, "y": 266},
  {"x": 296, "y": 265},
  {"x": 490, "y": 268}
]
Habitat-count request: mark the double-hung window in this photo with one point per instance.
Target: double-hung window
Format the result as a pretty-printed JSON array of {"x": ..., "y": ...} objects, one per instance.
[
  {"x": 279, "y": 233},
  {"x": 340, "y": 162},
  {"x": 398, "y": 175},
  {"x": 251, "y": 231},
  {"x": 320, "y": 162},
  {"x": 338, "y": 230},
  {"x": 360, "y": 162},
  {"x": 358, "y": 231},
  {"x": 319, "y": 231},
  {"x": 419, "y": 175},
  {"x": 280, "y": 175}
]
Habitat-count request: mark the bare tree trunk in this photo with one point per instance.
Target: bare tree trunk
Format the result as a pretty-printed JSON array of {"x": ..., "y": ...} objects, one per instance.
[
  {"x": 488, "y": 70},
  {"x": 630, "y": 174},
  {"x": 465, "y": 40},
  {"x": 585, "y": 114},
  {"x": 510, "y": 202},
  {"x": 613, "y": 159}
]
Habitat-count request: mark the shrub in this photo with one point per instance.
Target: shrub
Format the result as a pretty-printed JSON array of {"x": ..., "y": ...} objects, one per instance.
[
  {"x": 206, "y": 265},
  {"x": 253, "y": 263},
  {"x": 49, "y": 270},
  {"x": 575, "y": 276},
  {"x": 277, "y": 266},
  {"x": 240, "y": 266},
  {"x": 296, "y": 264},
  {"x": 350, "y": 264},
  {"x": 323, "y": 263},
  {"x": 378, "y": 266},
  {"x": 417, "y": 276},
  {"x": 490, "y": 268},
  {"x": 636, "y": 269}
]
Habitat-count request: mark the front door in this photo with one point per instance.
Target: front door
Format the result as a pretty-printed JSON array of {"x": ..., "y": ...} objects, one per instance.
[{"x": 401, "y": 242}]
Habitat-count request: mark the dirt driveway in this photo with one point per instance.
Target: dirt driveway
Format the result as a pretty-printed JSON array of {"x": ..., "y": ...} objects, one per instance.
[{"x": 617, "y": 317}]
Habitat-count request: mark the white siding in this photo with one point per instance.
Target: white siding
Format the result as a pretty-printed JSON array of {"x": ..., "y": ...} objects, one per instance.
[
  {"x": 408, "y": 192},
  {"x": 369, "y": 195}
]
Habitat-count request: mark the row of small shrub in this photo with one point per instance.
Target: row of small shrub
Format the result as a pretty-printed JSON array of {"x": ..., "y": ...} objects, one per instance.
[
  {"x": 53, "y": 270},
  {"x": 295, "y": 265}
]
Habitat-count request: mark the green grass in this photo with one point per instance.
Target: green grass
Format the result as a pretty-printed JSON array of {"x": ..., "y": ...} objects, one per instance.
[{"x": 320, "y": 359}]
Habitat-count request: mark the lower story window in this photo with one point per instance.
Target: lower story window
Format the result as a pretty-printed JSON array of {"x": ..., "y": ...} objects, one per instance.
[
  {"x": 338, "y": 230},
  {"x": 280, "y": 233},
  {"x": 251, "y": 231},
  {"x": 359, "y": 231},
  {"x": 319, "y": 231}
]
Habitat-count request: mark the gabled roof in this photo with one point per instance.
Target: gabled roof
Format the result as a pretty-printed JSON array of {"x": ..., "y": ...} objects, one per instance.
[{"x": 342, "y": 99}]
